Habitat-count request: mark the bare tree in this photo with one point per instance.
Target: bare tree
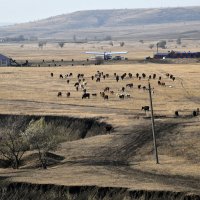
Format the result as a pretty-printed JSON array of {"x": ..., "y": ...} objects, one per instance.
[
  {"x": 141, "y": 41},
  {"x": 111, "y": 43},
  {"x": 41, "y": 137},
  {"x": 41, "y": 44},
  {"x": 13, "y": 143},
  {"x": 162, "y": 44},
  {"x": 61, "y": 44},
  {"x": 178, "y": 41},
  {"x": 151, "y": 46},
  {"x": 122, "y": 44}
]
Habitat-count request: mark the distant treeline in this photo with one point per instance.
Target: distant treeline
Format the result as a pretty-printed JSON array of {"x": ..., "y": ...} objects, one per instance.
[{"x": 19, "y": 38}]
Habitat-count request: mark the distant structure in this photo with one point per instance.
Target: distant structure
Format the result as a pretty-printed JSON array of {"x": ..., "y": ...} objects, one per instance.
[
  {"x": 4, "y": 61},
  {"x": 177, "y": 54}
]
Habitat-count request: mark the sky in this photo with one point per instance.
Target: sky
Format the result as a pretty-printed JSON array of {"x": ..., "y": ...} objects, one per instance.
[{"x": 17, "y": 11}]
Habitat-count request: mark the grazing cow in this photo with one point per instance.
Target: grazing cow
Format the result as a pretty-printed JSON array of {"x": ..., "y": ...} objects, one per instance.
[
  {"x": 145, "y": 108},
  {"x": 51, "y": 74},
  {"x": 86, "y": 95},
  {"x": 53, "y": 60},
  {"x": 111, "y": 92},
  {"x": 167, "y": 74},
  {"x": 123, "y": 89},
  {"x": 117, "y": 78},
  {"x": 154, "y": 76},
  {"x": 149, "y": 76},
  {"x": 55, "y": 65},
  {"x": 159, "y": 83},
  {"x": 173, "y": 78},
  {"x": 104, "y": 77},
  {"x": 70, "y": 74},
  {"x": 144, "y": 88},
  {"x": 130, "y": 85},
  {"x": 130, "y": 75},
  {"x": 121, "y": 96},
  {"x": 123, "y": 76},
  {"x": 61, "y": 76},
  {"x": 102, "y": 94},
  {"x": 67, "y": 81},
  {"x": 115, "y": 74},
  {"x": 163, "y": 84},
  {"x": 94, "y": 94},
  {"x": 84, "y": 90},
  {"x": 62, "y": 60},
  {"x": 143, "y": 75},
  {"x": 176, "y": 113},
  {"x": 107, "y": 75},
  {"x": 92, "y": 77},
  {"x": 79, "y": 80},
  {"x": 194, "y": 113},
  {"x": 68, "y": 94},
  {"x": 106, "y": 97},
  {"x": 137, "y": 75},
  {"x": 139, "y": 86},
  {"x": 59, "y": 94},
  {"x": 76, "y": 84},
  {"x": 98, "y": 80},
  {"x": 106, "y": 89},
  {"x": 160, "y": 78}
]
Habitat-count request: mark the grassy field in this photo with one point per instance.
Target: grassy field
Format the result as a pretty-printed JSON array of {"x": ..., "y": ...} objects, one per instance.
[{"x": 125, "y": 157}]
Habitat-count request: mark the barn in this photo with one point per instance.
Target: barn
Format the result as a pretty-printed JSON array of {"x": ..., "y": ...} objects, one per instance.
[
  {"x": 177, "y": 54},
  {"x": 4, "y": 61}
]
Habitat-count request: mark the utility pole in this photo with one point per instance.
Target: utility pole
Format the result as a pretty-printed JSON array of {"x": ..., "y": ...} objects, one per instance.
[
  {"x": 157, "y": 47},
  {"x": 153, "y": 126}
]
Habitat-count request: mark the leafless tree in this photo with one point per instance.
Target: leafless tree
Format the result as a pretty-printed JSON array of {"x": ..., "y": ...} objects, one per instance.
[
  {"x": 41, "y": 137},
  {"x": 61, "y": 44},
  {"x": 151, "y": 46},
  {"x": 122, "y": 44},
  {"x": 13, "y": 143}
]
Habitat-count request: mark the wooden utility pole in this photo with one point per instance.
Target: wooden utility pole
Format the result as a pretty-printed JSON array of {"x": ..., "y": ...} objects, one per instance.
[{"x": 153, "y": 126}]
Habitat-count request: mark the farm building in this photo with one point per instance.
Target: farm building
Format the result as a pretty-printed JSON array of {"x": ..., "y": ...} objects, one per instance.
[
  {"x": 176, "y": 54},
  {"x": 4, "y": 61}
]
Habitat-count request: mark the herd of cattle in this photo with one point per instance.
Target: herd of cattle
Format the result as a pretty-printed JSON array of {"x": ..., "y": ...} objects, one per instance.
[{"x": 80, "y": 83}]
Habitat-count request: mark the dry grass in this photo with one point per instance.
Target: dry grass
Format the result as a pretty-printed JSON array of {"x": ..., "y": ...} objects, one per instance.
[{"x": 102, "y": 160}]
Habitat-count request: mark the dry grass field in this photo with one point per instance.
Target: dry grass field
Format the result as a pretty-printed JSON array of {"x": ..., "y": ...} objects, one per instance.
[{"x": 123, "y": 158}]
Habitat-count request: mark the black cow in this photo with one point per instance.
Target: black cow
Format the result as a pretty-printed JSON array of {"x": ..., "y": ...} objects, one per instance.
[
  {"x": 68, "y": 94},
  {"x": 59, "y": 94},
  {"x": 106, "y": 97},
  {"x": 86, "y": 95},
  {"x": 145, "y": 108},
  {"x": 51, "y": 74}
]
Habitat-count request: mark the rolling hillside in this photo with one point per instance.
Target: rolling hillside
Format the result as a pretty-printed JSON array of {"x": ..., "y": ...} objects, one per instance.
[{"x": 120, "y": 24}]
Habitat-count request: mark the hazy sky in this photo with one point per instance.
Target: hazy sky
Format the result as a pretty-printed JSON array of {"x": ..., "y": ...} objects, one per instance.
[{"x": 30, "y": 10}]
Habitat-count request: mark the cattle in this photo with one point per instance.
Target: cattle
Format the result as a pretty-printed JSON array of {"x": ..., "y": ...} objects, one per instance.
[
  {"x": 159, "y": 83},
  {"x": 194, "y": 113},
  {"x": 86, "y": 95},
  {"x": 130, "y": 75},
  {"x": 130, "y": 85},
  {"x": 59, "y": 94},
  {"x": 102, "y": 94},
  {"x": 139, "y": 86},
  {"x": 163, "y": 84},
  {"x": 68, "y": 94},
  {"x": 144, "y": 88},
  {"x": 106, "y": 89},
  {"x": 117, "y": 78},
  {"x": 51, "y": 74},
  {"x": 94, "y": 94},
  {"x": 76, "y": 88},
  {"x": 149, "y": 76},
  {"x": 106, "y": 97},
  {"x": 92, "y": 77},
  {"x": 70, "y": 74},
  {"x": 66, "y": 75},
  {"x": 121, "y": 96},
  {"x": 84, "y": 90},
  {"x": 123, "y": 76},
  {"x": 104, "y": 77},
  {"x": 145, "y": 108},
  {"x": 55, "y": 65},
  {"x": 154, "y": 76},
  {"x": 123, "y": 89},
  {"x": 137, "y": 75},
  {"x": 160, "y": 78},
  {"x": 62, "y": 60},
  {"x": 167, "y": 74},
  {"x": 176, "y": 113},
  {"x": 143, "y": 75},
  {"x": 107, "y": 75},
  {"x": 197, "y": 111},
  {"x": 173, "y": 78},
  {"x": 67, "y": 81},
  {"x": 76, "y": 84},
  {"x": 61, "y": 76},
  {"x": 111, "y": 92},
  {"x": 98, "y": 80},
  {"x": 115, "y": 74}
]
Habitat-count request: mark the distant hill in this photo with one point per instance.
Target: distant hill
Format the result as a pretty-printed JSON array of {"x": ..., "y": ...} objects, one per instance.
[{"x": 120, "y": 24}]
